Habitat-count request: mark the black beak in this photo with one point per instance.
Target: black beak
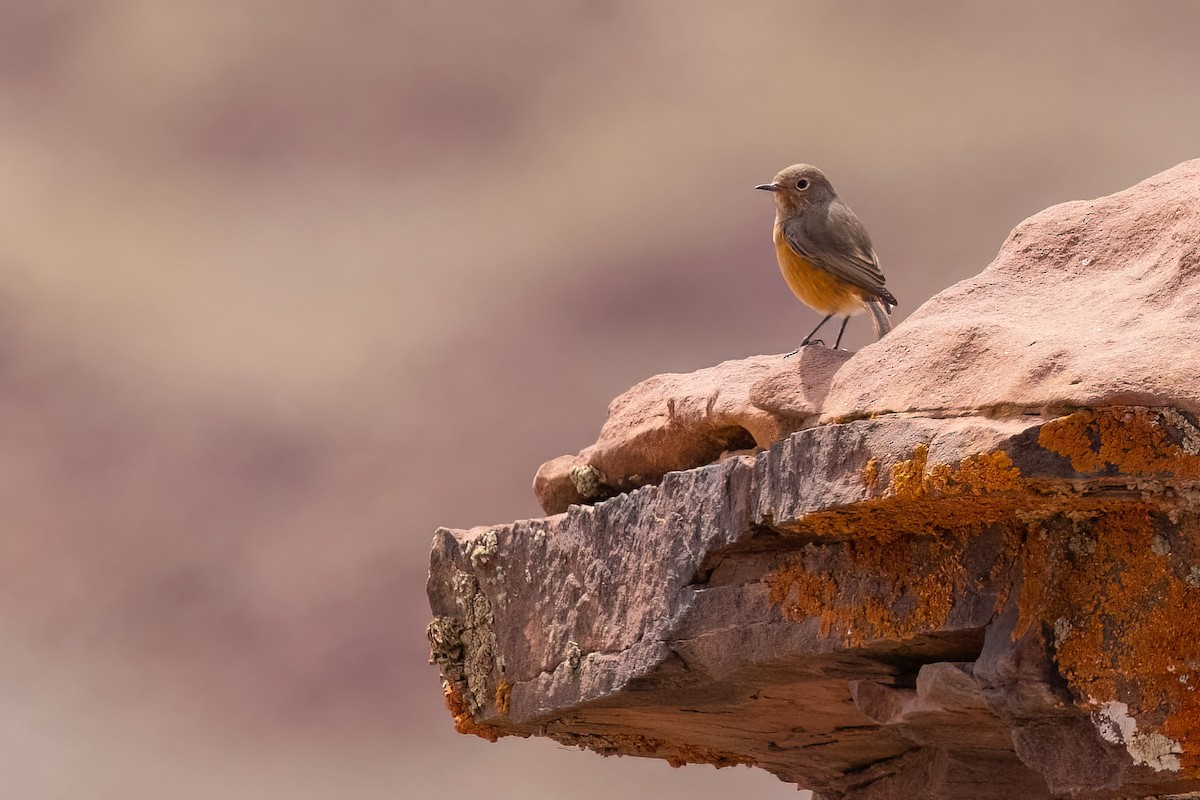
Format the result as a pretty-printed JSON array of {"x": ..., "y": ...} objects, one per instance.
[{"x": 768, "y": 187}]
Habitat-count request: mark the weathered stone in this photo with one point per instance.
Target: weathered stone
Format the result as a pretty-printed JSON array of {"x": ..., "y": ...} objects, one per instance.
[
  {"x": 680, "y": 421},
  {"x": 990, "y": 596},
  {"x": 786, "y": 612},
  {"x": 1088, "y": 303}
]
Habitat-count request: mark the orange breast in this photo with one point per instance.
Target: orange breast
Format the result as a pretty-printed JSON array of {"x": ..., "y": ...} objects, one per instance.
[{"x": 815, "y": 287}]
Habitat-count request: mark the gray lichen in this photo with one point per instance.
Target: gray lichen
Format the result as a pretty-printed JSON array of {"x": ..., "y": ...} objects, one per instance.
[
  {"x": 481, "y": 550},
  {"x": 445, "y": 641},
  {"x": 588, "y": 481},
  {"x": 574, "y": 655},
  {"x": 465, "y": 647}
]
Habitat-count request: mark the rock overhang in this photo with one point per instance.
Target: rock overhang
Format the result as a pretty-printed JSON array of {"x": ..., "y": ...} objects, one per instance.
[{"x": 959, "y": 529}]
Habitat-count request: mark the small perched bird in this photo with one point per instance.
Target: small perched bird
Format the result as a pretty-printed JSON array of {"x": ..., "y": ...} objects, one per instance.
[{"x": 825, "y": 253}]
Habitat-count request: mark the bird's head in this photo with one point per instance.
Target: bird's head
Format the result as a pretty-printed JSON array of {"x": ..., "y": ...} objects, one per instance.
[{"x": 800, "y": 186}]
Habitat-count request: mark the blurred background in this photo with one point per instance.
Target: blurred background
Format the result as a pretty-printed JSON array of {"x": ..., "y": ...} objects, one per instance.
[{"x": 286, "y": 284}]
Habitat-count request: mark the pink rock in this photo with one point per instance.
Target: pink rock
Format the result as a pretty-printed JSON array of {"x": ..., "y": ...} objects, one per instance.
[
  {"x": 1088, "y": 303},
  {"x": 678, "y": 421},
  {"x": 966, "y": 601}
]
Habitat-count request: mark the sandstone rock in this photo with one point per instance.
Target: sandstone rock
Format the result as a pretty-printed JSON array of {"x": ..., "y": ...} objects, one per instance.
[
  {"x": 1088, "y": 303},
  {"x": 991, "y": 595},
  {"x": 679, "y": 421},
  {"x": 867, "y": 609}
]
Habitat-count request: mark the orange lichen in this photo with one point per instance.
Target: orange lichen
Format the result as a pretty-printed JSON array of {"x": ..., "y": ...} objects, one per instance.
[
  {"x": 979, "y": 489},
  {"x": 503, "y": 697},
  {"x": 908, "y": 477},
  {"x": 903, "y": 569},
  {"x": 801, "y": 594},
  {"x": 1124, "y": 618},
  {"x": 464, "y": 721},
  {"x": 870, "y": 473},
  {"x": 1135, "y": 440},
  {"x": 977, "y": 474},
  {"x": 884, "y": 589}
]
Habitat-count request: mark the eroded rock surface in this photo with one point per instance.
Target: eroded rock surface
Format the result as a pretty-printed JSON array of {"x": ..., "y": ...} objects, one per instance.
[
  {"x": 992, "y": 595},
  {"x": 1088, "y": 303},
  {"x": 970, "y": 606},
  {"x": 678, "y": 421}
]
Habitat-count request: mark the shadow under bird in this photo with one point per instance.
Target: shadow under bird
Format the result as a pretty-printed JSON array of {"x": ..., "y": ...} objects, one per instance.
[{"x": 825, "y": 252}]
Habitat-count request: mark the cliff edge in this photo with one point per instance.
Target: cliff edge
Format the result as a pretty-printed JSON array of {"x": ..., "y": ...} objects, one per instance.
[{"x": 963, "y": 562}]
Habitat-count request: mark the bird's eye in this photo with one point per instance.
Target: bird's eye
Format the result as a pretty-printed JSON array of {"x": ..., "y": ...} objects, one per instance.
[{"x": 802, "y": 184}]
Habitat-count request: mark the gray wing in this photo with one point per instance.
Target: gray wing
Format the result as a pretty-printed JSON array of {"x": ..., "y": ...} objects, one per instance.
[{"x": 834, "y": 239}]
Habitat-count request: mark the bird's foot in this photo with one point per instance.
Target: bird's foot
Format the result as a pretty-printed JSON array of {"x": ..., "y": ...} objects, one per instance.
[{"x": 803, "y": 345}]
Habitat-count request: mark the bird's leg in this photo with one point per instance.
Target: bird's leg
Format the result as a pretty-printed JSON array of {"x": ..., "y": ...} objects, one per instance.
[
  {"x": 809, "y": 339},
  {"x": 838, "y": 343}
]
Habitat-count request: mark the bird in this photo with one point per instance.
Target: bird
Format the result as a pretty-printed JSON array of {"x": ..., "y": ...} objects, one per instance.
[{"x": 825, "y": 252}]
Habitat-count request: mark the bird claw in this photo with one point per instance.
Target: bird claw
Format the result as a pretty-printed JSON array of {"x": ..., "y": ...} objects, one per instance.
[{"x": 804, "y": 344}]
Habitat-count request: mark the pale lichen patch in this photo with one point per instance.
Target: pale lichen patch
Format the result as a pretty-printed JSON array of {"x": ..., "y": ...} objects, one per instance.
[
  {"x": 1152, "y": 749},
  {"x": 588, "y": 481},
  {"x": 481, "y": 551}
]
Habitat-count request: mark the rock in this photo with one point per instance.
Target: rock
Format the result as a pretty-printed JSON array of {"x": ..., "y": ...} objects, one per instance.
[
  {"x": 679, "y": 421},
  {"x": 1088, "y": 303},
  {"x": 993, "y": 594},
  {"x": 553, "y": 486},
  {"x": 863, "y": 609}
]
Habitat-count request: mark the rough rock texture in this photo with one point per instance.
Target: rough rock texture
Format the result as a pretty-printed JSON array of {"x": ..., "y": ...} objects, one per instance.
[
  {"x": 1088, "y": 303},
  {"x": 678, "y": 421},
  {"x": 992, "y": 594}
]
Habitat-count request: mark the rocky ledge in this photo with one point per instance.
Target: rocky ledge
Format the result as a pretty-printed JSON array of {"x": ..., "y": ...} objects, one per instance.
[{"x": 963, "y": 562}]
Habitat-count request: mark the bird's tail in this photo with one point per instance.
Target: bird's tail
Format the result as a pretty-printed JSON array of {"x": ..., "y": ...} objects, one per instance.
[{"x": 880, "y": 314}]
